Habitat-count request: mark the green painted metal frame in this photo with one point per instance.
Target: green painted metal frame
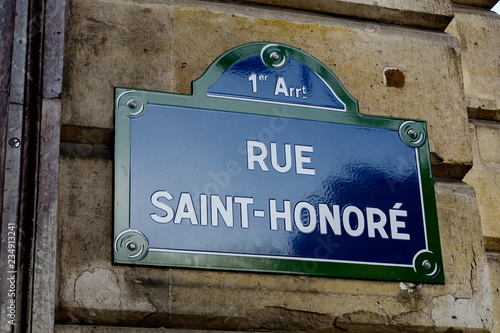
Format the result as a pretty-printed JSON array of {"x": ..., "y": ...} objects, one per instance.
[{"x": 132, "y": 103}]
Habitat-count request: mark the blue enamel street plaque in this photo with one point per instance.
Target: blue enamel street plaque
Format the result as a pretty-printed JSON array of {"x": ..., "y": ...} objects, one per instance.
[{"x": 269, "y": 167}]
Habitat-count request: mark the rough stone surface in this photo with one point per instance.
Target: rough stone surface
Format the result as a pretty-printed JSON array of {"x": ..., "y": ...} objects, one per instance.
[
  {"x": 486, "y": 142},
  {"x": 488, "y": 4},
  {"x": 478, "y": 31},
  {"x": 113, "y": 44},
  {"x": 485, "y": 178},
  {"x": 393, "y": 71},
  {"x": 494, "y": 266},
  {"x": 104, "y": 329},
  {"x": 428, "y": 13},
  {"x": 107, "y": 48},
  {"x": 93, "y": 291}
]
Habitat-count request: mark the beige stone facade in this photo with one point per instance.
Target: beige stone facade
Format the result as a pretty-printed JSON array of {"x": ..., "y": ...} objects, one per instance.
[{"x": 449, "y": 55}]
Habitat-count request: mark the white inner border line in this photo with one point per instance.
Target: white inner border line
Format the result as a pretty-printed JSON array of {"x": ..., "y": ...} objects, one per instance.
[
  {"x": 421, "y": 199},
  {"x": 274, "y": 102},
  {"x": 275, "y": 257}
]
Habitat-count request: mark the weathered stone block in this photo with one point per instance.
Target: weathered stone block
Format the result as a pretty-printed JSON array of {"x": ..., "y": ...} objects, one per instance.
[
  {"x": 478, "y": 31},
  {"x": 486, "y": 140},
  {"x": 104, "y": 329},
  {"x": 428, "y": 13},
  {"x": 485, "y": 177},
  {"x": 488, "y": 4},
  {"x": 494, "y": 267},
  {"x": 111, "y": 44},
  {"x": 93, "y": 291}
]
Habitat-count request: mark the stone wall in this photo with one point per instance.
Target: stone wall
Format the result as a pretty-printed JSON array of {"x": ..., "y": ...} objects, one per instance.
[
  {"x": 164, "y": 45},
  {"x": 478, "y": 31}
]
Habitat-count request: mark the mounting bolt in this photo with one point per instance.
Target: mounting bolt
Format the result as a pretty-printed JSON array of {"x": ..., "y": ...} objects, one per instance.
[
  {"x": 275, "y": 56},
  {"x": 15, "y": 142},
  {"x": 132, "y": 104},
  {"x": 131, "y": 246},
  {"x": 412, "y": 134},
  {"x": 426, "y": 264}
]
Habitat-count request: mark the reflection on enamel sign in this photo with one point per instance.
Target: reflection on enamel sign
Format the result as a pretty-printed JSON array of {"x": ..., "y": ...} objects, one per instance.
[{"x": 269, "y": 167}]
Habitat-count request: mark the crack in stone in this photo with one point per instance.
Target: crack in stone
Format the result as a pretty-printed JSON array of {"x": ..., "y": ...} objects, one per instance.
[
  {"x": 337, "y": 326},
  {"x": 74, "y": 289}
]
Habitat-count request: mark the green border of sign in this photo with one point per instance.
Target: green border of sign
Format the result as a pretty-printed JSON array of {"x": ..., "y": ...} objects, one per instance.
[{"x": 131, "y": 247}]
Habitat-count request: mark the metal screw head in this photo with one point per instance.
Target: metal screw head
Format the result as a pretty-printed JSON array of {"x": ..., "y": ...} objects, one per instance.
[
  {"x": 275, "y": 56},
  {"x": 412, "y": 134},
  {"x": 131, "y": 246},
  {"x": 14, "y": 142},
  {"x": 426, "y": 264},
  {"x": 132, "y": 104}
]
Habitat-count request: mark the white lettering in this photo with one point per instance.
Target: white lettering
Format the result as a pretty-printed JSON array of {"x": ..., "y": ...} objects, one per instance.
[
  {"x": 372, "y": 222},
  {"x": 300, "y": 160},
  {"x": 218, "y": 208},
  {"x": 333, "y": 219},
  {"x": 285, "y": 215},
  {"x": 203, "y": 209},
  {"x": 395, "y": 224},
  {"x": 252, "y": 158},
  {"x": 185, "y": 210},
  {"x": 376, "y": 225},
  {"x": 253, "y": 78},
  {"x": 155, "y": 201},
  {"x": 244, "y": 202},
  {"x": 297, "y": 212},
  {"x": 257, "y": 153},
  {"x": 288, "y": 158},
  {"x": 346, "y": 220},
  {"x": 281, "y": 87}
]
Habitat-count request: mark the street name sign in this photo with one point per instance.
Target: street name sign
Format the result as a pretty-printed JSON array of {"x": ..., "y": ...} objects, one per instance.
[{"x": 269, "y": 167}]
